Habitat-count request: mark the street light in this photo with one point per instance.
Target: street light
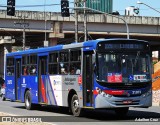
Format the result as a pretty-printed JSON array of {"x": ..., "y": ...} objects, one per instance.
[{"x": 138, "y": 2}]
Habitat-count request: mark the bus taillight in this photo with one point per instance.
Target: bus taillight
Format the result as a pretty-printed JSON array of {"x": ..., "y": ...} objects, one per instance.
[{"x": 79, "y": 79}]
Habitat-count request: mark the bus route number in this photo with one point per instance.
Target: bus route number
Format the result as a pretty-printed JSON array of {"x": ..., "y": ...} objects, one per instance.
[{"x": 136, "y": 92}]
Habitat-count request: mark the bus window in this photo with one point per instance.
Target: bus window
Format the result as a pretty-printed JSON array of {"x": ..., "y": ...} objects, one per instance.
[
  {"x": 33, "y": 65},
  {"x": 53, "y": 68},
  {"x": 64, "y": 62},
  {"x": 75, "y": 62},
  {"x": 25, "y": 65},
  {"x": 10, "y": 66},
  {"x": 33, "y": 59},
  {"x": 64, "y": 56},
  {"x": 53, "y": 63},
  {"x": 64, "y": 69},
  {"x": 75, "y": 55},
  {"x": 33, "y": 70}
]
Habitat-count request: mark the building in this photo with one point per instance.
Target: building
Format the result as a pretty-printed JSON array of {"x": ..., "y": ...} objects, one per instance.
[{"x": 101, "y": 5}]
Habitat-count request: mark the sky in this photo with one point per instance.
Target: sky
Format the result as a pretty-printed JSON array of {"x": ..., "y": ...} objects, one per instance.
[{"x": 118, "y": 5}]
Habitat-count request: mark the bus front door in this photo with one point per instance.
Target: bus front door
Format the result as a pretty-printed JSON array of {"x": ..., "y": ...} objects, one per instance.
[
  {"x": 17, "y": 79},
  {"x": 42, "y": 72},
  {"x": 87, "y": 80}
]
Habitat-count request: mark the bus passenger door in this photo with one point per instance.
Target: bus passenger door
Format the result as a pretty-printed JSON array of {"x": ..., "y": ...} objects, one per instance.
[
  {"x": 87, "y": 79},
  {"x": 18, "y": 79},
  {"x": 42, "y": 72}
]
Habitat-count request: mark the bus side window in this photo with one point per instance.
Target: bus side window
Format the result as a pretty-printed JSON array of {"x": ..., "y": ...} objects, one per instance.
[
  {"x": 25, "y": 65},
  {"x": 25, "y": 70},
  {"x": 33, "y": 70},
  {"x": 33, "y": 65},
  {"x": 10, "y": 66},
  {"x": 75, "y": 62},
  {"x": 53, "y": 63},
  {"x": 64, "y": 62}
]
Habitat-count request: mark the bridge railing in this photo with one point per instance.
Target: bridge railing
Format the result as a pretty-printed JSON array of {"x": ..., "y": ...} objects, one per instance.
[{"x": 98, "y": 18}]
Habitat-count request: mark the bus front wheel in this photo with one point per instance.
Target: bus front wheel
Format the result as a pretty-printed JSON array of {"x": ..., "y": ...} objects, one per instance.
[
  {"x": 28, "y": 103},
  {"x": 76, "y": 110}
]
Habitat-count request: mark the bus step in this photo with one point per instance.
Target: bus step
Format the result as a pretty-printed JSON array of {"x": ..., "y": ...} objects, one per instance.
[
  {"x": 18, "y": 101},
  {"x": 42, "y": 103}
]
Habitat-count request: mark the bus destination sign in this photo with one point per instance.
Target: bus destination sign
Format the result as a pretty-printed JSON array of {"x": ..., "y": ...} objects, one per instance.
[{"x": 124, "y": 46}]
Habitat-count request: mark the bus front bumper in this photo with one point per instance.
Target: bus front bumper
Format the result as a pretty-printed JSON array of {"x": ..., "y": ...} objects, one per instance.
[{"x": 102, "y": 101}]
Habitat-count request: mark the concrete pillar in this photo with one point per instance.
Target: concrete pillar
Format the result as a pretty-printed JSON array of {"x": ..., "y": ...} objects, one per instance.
[
  {"x": 5, "y": 47},
  {"x": 53, "y": 41},
  {"x": 56, "y": 34}
]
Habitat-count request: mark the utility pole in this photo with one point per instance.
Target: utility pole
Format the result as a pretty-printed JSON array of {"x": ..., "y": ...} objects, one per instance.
[
  {"x": 85, "y": 21},
  {"x": 23, "y": 23},
  {"x": 45, "y": 26},
  {"x": 90, "y": 9},
  {"x": 76, "y": 21}
]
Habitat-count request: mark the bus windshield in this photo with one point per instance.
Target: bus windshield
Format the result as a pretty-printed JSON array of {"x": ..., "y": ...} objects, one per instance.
[{"x": 115, "y": 67}]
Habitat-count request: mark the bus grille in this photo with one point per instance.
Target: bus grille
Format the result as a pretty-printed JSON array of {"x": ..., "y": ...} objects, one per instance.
[{"x": 127, "y": 102}]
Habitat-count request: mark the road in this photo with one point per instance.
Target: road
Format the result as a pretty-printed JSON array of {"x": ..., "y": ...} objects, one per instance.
[{"x": 59, "y": 115}]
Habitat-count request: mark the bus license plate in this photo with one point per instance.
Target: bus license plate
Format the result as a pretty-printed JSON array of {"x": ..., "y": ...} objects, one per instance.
[{"x": 127, "y": 102}]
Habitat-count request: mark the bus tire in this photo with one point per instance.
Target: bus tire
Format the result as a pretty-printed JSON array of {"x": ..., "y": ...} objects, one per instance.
[
  {"x": 121, "y": 111},
  {"x": 28, "y": 99},
  {"x": 75, "y": 109}
]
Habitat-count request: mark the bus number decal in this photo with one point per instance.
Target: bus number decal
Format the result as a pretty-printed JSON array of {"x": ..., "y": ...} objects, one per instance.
[
  {"x": 9, "y": 81},
  {"x": 136, "y": 92}
]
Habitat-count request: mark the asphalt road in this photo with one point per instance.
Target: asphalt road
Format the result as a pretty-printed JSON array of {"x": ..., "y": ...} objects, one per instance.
[{"x": 59, "y": 115}]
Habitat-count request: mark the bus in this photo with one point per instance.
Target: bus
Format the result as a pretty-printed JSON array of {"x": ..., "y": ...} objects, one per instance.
[{"x": 95, "y": 74}]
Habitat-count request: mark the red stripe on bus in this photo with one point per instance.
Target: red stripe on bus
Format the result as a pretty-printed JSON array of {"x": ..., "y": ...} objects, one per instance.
[
  {"x": 114, "y": 92},
  {"x": 95, "y": 92},
  {"x": 43, "y": 91}
]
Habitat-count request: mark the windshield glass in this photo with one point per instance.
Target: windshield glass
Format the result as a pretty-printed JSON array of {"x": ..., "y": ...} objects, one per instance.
[{"x": 123, "y": 67}]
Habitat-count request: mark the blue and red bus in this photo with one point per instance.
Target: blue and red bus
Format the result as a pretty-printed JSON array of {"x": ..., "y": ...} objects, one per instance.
[{"x": 96, "y": 74}]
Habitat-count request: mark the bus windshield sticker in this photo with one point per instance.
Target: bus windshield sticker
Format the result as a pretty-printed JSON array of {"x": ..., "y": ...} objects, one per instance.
[
  {"x": 140, "y": 77},
  {"x": 114, "y": 77},
  {"x": 118, "y": 77}
]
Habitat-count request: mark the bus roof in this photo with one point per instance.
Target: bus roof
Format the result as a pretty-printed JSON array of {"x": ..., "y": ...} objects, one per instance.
[{"x": 91, "y": 43}]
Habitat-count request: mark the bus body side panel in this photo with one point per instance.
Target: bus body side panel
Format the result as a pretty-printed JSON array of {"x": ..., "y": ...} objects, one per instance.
[
  {"x": 30, "y": 83},
  {"x": 54, "y": 90},
  {"x": 71, "y": 82},
  {"x": 50, "y": 94},
  {"x": 57, "y": 88},
  {"x": 10, "y": 87}
]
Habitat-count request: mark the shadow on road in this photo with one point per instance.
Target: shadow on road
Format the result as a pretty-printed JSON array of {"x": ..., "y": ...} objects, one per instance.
[{"x": 97, "y": 115}]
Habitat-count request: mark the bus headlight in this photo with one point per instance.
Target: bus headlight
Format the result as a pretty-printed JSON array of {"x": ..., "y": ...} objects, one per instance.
[
  {"x": 103, "y": 93},
  {"x": 147, "y": 93}
]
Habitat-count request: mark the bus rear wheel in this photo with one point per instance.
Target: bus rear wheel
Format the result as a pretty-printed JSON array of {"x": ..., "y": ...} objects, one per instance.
[
  {"x": 76, "y": 110},
  {"x": 28, "y": 103}
]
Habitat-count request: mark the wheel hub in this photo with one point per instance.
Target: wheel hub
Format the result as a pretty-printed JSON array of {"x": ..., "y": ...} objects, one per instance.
[{"x": 76, "y": 105}]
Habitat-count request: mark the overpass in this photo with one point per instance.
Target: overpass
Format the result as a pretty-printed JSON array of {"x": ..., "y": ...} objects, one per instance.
[{"x": 58, "y": 29}]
